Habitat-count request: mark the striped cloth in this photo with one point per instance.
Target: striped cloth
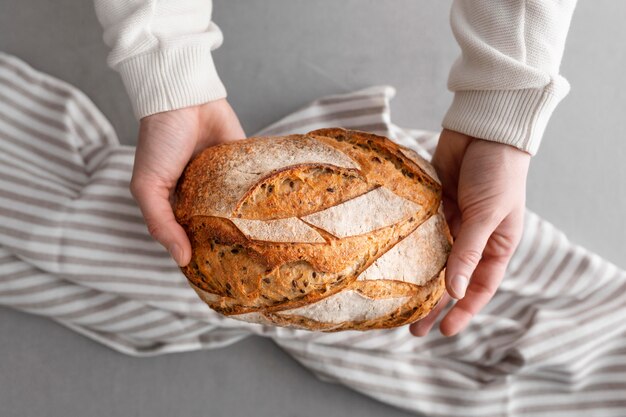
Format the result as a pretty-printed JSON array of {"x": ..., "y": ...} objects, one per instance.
[{"x": 73, "y": 247}]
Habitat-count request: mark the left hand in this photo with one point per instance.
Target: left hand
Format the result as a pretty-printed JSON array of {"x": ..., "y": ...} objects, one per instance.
[
  {"x": 484, "y": 192},
  {"x": 167, "y": 141}
]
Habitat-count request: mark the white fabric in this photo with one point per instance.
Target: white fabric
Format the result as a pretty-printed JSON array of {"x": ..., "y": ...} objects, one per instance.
[
  {"x": 506, "y": 82},
  {"x": 73, "y": 247},
  {"x": 162, "y": 50}
]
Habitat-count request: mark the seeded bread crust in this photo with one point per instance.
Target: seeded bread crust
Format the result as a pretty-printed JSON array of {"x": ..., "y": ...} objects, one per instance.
[{"x": 270, "y": 178}]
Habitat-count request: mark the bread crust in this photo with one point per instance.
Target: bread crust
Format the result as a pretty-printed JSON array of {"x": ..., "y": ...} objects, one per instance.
[{"x": 288, "y": 268}]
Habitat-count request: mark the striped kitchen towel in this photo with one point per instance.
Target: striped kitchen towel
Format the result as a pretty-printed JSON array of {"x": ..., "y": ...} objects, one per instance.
[{"x": 73, "y": 247}]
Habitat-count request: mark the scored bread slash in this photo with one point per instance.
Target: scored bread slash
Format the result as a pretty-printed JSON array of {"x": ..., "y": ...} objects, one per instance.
[
  {"x": 294, "y": 191},
  {"x": 290, "y": 229},
  {"x": 417, "y": 258},
  {"x": 421, "y": 162},
  {"x": 333, "y": 230},
  {"x": 346, "y": 306},
  {"x": 215, "y": 181},
  {"x": 365, "y": 213}
]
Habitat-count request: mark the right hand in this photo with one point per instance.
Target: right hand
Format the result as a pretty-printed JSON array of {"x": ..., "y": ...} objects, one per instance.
[
  {"x": 167, "y": 142},
  {"x": 484, "y": 194}
]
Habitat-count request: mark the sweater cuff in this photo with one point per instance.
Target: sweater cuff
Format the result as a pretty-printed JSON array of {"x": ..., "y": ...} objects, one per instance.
[
  {"x": 513, "y": 117},
  {"x": 171, "y": 79}
]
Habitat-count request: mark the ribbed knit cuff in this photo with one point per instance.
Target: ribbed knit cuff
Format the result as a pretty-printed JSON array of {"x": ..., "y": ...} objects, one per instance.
[
  {"x": 171, "y": 79},
  {"x": 513, "y": 117}
]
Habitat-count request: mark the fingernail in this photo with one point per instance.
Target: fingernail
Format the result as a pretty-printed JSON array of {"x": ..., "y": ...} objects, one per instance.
[
  {"x": 459, "y": 285},
  {"x": 176, "y": 253}
]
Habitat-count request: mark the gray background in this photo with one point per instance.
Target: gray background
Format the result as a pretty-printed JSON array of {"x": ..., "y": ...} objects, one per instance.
[{"x": 279, "y": 55}]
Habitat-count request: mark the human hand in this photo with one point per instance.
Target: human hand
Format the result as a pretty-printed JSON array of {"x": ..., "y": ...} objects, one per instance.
[
  {"x": 484, "y": 193},
  {"x": 167, "y": 141}
]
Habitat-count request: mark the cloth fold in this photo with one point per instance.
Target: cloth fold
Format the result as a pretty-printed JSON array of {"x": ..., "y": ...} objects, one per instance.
[{"x": 74, "y": 248}]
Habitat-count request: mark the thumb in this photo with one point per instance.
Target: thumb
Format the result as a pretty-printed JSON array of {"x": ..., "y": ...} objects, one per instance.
[
  {"x": 466, "y": 253},
  {"x": 162, "y": 225}
]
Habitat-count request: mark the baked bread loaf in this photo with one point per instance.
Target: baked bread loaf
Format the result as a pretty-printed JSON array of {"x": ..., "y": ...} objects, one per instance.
[{"x": 332, "y": 230}]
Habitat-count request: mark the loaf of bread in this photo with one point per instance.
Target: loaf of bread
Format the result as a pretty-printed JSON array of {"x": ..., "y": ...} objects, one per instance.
[{"x": 332, "y": 230}]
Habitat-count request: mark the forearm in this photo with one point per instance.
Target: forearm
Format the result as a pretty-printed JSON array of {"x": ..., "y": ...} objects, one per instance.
[
  {"x": 507, "y": 81},
  {"x": 162, "y": 50}
]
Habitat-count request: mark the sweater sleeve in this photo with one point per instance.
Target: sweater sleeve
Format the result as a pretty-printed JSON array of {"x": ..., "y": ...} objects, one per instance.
[
  {"x": 506, "y": 82},
  {"x": 162, "y": 50}
]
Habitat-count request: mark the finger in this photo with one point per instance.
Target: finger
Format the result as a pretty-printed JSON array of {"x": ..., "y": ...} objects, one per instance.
[
  {"x": 466, "y": 253},
  {"x": 452, "y": 214},
  {"x": 422, "y": 327},
  {"x": 488, "y": 275},
  {"x": 482, "y": 287},
  {"x": 159, "y": 217}
]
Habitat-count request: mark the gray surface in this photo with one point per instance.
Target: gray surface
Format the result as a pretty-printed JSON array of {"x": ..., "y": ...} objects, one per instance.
[{"x": 278, "y": 55}]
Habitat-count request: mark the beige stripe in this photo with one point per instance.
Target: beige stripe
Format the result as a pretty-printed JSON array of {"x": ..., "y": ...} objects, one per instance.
[
  {"x": 70, "y": 182},
  {"x": 344, "y": 114},
  {"x": 120, "y": 183},
  {"x": 102, "y": 151},
  {"x": 118, "y": 318},
  {"x": 47, "y": 122},
  {"x": 41, "y": 147},
  {"x": 597, "y": 387},
  {"x": 94, "y": 308},
  {"x": 60, "y": 207},
  {"x": 38, "y": 173},
  {"x": 464, "y": 370},
  {"x": 372, "y": 368},
  {"x": 564, "y": 307},
  {"x": 38, "y": 116},
  {"x": 54, "y": 107},
  {"x": 4, "y": 277},
  {"x": 33, "y": 289},
  {"x": 347, "y": 99},
  {"x": 575, "y": 404},
  {"x": 176, "y": 334},
  {"x": 61, "y": 90},
  {"x": 137, "y": 328},
  {"x": 107, "y": 198},
  {"x": 61, "y": 259},
  {"x": 539, "y": 235},
  {"x": 604, "y": 314},
  {"x": 582, "y": 268},
  {"x": 34, "y": 186},
  {"x": 84, "y": 244},
  {"x": 84, "y": 295},
  {"x": 372, "y": 388},
  {"x": 553, "y": 250},
  {"x": 70, "y": 225}
]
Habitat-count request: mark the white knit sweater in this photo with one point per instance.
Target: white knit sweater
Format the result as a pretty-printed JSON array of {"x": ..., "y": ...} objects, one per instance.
[{"x": 506, "y": 82}]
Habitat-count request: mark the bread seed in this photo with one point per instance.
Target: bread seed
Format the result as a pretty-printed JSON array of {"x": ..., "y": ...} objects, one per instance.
[
  {"x": 293, "y": 284},
  {"x": 266, "y": 280},
  {"x": 330, "y": 189},
  {"x": 314, "y": 274},
  {"x": 376, "y": 159},
  {"x": 235, "y": 251},
  {"x": 228, "y": 286}
]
